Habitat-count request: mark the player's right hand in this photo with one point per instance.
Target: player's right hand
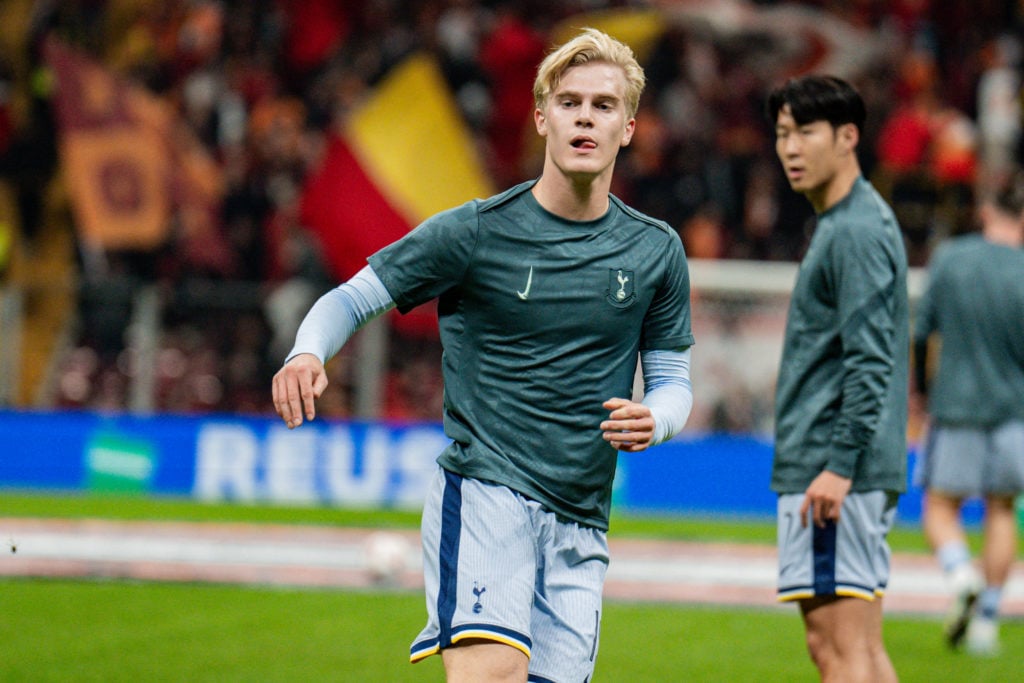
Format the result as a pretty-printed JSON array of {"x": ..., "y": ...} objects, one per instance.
[
  {"x": 296, "y": 387},
  {"x": 824, "y": 498}
]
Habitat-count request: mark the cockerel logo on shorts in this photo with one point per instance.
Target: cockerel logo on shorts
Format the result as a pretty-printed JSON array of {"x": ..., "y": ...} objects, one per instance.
[{"x": 478, "y": 591}]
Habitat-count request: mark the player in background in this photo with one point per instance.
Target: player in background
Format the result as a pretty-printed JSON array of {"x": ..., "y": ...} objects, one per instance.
[
  {"x": 547, "y": 294},
  {"x": 841, "y": 399},
  {"x": 974, "y": 303}
]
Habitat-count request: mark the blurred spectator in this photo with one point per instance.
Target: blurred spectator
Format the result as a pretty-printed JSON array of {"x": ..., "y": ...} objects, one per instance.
[
  {"x": 28, "y": 143},
  {"x": 761, "y": 212},
  {"x": 703, "y": 234},
  {"x": 6, "y": 95},
  {"x": 926, "y": 158},
  {"x": 907, "y": 134},
  {"x": 413, "y": 389},
  {"x": 999, "y": 109},
  {"x": 509, "y": 57},
  {"x": 316, "y": 29}
]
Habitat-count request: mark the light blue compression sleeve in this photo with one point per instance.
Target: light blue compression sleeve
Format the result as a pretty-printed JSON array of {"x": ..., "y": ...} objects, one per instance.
[
  {"x": 667, "y": 390},
  {"x": 339, "y": 313}
]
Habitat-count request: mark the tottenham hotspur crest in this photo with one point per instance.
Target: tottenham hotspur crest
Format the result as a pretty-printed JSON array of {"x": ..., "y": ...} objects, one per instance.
[{"x": 621, "y": 287}]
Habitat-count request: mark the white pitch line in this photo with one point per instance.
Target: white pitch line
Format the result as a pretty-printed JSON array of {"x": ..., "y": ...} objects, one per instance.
[{"x": 132, "y": 548}]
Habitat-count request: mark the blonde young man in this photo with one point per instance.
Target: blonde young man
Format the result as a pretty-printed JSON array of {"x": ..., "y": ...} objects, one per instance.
[
  {"x": 547, "y": 294},
  {"x": 841, "y": 401}
]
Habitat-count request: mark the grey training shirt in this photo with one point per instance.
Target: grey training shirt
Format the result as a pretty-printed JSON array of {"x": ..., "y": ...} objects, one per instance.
[
  {"x": 541, "y": 320},
  {"x": 975, "y": 301}
]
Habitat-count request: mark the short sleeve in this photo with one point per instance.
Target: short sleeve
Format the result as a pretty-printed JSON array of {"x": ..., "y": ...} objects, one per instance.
[
  {"x": 667, "y": 323},
  {"x": 431, "y": 259}
]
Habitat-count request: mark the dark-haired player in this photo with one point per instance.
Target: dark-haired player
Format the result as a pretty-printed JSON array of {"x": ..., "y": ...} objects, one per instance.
[{"x": 841, "y": 398}]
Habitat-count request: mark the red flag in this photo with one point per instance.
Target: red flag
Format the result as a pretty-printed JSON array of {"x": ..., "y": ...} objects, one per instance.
[
  {"x": 348, "y": 212},
  {"x": 352, "y": 219},
  {"x": 386, "y": 173}
]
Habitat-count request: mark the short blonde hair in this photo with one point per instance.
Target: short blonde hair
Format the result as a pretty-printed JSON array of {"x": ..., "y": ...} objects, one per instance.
[{"x": 590, "y": 45}]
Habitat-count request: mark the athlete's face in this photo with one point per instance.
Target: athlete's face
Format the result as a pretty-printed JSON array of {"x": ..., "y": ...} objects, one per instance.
[
  {"x": 584, "y": 119},
  {"x": 812, "y": 153}
]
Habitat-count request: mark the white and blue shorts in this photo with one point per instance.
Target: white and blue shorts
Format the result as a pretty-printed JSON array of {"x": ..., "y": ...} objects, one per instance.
[
  {"x": 499, "y": 566},
  {"x": 849, "y": 559},
  {"x": 971, "y": 461}
]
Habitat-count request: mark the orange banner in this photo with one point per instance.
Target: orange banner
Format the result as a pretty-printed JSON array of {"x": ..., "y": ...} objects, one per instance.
[{"x": 128, "y": 163}]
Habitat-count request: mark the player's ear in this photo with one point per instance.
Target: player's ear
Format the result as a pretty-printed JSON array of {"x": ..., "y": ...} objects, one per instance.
[
  {"x": 848, "y": 136},
  {"x": 627, "y": 134},
  {"x": 540, "y": 121}
]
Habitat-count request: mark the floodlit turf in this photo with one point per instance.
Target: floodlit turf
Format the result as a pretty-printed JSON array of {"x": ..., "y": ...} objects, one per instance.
[
  {"x": 112, "y": 506},
  {"x": 72, "y": 631},
  {"x": 113, "y": 631},
  {"x": 623, "y": 525}
]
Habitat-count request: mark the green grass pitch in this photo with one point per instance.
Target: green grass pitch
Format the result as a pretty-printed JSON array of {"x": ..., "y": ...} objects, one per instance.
[
  {"x": 112, "y": 631},
  {"x": 68, "y": 631}
]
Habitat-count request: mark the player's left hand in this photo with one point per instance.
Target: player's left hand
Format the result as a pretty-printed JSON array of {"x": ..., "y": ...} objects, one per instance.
[
  {"x": 824, "y": 498},
  {"x": 629, "y": 426}
]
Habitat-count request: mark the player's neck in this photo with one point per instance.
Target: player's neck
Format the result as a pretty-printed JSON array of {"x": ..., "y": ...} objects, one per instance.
[
  {"x": 836, "y": 189},
  {"x": 1007, "y": 235},
  {"x": 575, "y": 199}
]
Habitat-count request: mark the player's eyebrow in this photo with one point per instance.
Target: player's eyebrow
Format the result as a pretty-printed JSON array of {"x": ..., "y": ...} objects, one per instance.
[{"x": 573, "y": 94}]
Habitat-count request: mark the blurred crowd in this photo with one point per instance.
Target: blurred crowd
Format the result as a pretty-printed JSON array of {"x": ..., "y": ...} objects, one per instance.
[{"x": 262, "y": 83}]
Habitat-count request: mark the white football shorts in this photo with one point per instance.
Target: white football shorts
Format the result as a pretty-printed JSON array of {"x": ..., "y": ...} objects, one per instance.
[
  {"x": 971, "y": 461},
  {"x": 850, "y": 558},
  {"x": 499, "y": 566}
]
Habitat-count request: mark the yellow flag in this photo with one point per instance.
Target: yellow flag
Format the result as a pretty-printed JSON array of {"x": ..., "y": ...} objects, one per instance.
[
  {"x": 638, "y": 28},
  {"x": 411, "y": 140}
]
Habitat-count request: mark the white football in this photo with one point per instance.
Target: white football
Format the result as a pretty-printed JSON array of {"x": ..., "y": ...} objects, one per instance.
[{"x": 387, "y": 555}]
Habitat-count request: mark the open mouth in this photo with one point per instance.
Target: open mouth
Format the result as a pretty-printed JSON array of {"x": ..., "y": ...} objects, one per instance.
[{"x": 583, "y": 143}]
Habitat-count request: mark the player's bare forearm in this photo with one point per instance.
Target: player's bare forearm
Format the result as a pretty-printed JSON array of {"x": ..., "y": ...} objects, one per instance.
[
  {"x": 824, "y": 498},
  {"x": 296, "y": 386},
  {"x": 629, "y": 427}
]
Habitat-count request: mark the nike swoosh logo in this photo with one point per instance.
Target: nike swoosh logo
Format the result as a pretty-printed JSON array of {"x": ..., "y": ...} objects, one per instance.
[{"x": 529, "y": 283}]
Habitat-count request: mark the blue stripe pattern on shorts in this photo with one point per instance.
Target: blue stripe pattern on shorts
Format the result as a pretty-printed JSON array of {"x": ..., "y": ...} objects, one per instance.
[
  {"x": 824, "y": 550},
  {"x": 451, "y": 530}
]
